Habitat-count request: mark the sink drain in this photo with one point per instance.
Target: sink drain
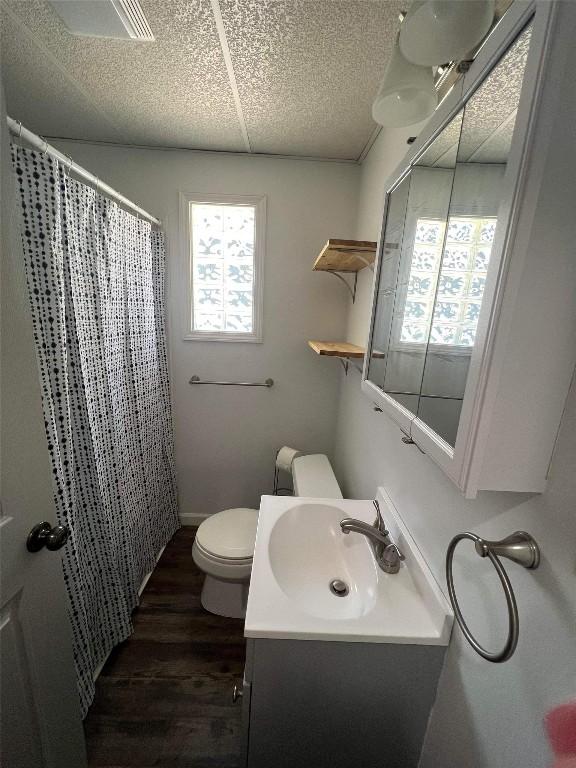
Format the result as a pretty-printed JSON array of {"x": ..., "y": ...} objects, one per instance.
[{"x": 339, "y": 588}]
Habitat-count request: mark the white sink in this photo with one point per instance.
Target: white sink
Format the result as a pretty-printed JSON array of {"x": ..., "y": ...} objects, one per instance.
[
  {"x": 300, "y": 550},
  {"x": 307, "y": 551}
]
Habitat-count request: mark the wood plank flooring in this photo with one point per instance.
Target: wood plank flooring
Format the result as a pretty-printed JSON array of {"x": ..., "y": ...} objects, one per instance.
[{"x": 164, "y": 698}]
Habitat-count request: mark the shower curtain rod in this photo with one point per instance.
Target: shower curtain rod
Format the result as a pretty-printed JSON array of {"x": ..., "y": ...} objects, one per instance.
[{"x": 37, "y": 142}]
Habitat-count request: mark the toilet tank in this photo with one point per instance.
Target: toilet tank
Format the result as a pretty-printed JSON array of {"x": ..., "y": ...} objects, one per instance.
[{"x": 313, "y": 476}]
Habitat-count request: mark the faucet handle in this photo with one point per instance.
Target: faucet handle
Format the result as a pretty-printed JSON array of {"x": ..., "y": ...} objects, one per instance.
[
  {"x": 379, "y": 522},
  {"x": 390, "y": 559}
]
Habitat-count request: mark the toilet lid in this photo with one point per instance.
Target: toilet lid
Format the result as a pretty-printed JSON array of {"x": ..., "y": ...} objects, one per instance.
[{"x": 230, "y": 534}]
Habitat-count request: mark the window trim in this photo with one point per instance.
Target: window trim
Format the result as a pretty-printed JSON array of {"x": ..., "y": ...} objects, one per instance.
[{"x": 259, "y": 204}]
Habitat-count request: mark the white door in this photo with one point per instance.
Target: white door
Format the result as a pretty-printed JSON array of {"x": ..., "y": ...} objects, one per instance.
[{"x": 40, "y": 713}]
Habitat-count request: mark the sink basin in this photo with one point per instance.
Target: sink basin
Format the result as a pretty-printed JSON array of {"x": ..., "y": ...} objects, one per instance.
[
  {"x": 308, "y": 551},
  {"x": 300, "y": 552}
]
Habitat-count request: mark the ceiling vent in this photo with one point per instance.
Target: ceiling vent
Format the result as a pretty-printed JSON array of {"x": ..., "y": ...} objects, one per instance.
[{"x": 116, "y": 19}]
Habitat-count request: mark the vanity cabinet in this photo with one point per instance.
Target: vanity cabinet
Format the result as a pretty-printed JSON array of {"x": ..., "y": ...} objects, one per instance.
[
  {"x": 472, "y": 339},
  {"x": 337, "y": 704}
]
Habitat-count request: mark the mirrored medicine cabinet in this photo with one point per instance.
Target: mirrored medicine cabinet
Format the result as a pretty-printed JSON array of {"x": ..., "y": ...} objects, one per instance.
[{"x": 452, "y": 213}]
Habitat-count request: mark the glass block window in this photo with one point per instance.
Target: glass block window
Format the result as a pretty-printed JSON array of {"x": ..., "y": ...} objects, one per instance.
[
  {"x": 225, "y": 270},
  {"x": 447, "y": 301},
  {"x": 424, "y": 266}
]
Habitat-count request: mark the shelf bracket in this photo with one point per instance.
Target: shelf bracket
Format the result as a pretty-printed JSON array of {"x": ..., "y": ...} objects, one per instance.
[
  {"x": 347, "y": 363},
  {"x": 344, "y": 361},
  {"x": 351, "y": 289}
]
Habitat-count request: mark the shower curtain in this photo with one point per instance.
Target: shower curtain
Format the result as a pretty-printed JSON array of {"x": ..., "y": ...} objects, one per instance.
[{"x": 96, "y": 280}]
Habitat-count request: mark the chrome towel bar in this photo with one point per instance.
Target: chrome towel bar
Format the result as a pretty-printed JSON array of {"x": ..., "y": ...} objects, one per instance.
[
  {"x": 519, "y": 547},
  {"x": 268, "y": 383}
]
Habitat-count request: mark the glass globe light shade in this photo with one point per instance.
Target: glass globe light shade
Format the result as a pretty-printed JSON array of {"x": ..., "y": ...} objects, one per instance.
[
  {"x": 406, "y": 95},
  {"x": 438, "y": 31}
]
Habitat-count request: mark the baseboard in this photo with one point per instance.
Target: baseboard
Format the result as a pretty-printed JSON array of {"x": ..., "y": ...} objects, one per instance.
[{"x": 188, "y": 518}]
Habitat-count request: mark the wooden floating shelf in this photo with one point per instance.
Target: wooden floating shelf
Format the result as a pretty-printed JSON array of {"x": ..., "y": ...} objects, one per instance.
[
  {"x": 345, "y": 256},
  {"x": 336, "y": 349}
]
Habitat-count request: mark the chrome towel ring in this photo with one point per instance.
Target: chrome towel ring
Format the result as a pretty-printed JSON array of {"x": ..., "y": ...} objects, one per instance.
[{"x": 519, "y": 547}]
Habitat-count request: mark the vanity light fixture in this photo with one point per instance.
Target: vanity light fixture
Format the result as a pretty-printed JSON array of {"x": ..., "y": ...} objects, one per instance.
[
  {"x": 436, "y": 31},
  {"x": 407, "y": 94}
]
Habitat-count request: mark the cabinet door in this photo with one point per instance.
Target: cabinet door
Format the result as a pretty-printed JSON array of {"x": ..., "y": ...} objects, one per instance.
[
  {"x": 466, "y": 281},
  {"x": 387, "y": 280},
  {"x": 409, "y": 264}
]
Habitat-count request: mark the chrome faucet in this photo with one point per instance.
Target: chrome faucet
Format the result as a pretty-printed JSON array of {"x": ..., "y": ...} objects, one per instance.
[{"x": 387, "y": 554}]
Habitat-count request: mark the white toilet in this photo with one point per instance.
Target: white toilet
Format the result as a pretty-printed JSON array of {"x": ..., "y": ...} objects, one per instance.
[{"x": 224, "y": 543}]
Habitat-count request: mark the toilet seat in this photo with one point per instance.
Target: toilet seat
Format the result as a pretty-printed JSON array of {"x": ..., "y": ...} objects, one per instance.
[
  {"x": 238, "y": 570},
  {"x": 229, "y": 535},
  {"x": 219, "y": 559},
  {"x": 224, "y": 544}
]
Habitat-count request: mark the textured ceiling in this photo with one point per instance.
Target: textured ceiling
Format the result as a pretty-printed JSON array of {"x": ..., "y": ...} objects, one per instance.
[
  {"x": 491, "y": 113},
  {"x": 482, "y": 133},
  {"x": 294, "y": 77}
]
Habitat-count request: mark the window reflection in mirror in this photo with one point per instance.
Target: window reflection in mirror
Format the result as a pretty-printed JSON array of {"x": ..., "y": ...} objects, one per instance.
[
  {"x": 483, "y": 149},
  {"x": 410, "y": 263}
]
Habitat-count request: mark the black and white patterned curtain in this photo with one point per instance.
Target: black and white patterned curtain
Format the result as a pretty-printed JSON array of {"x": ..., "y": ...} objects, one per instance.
[{"x": 96, "y": 280}]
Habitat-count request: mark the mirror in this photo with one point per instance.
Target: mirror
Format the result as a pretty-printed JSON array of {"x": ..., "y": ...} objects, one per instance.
[
  {"x": 436, "y": 247},
  {"x": 482, "y": 154},
  {"x": 410, "y": 262},
  {"x": 388, "y": 276}
]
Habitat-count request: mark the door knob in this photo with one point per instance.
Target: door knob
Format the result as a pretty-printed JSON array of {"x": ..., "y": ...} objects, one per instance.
[
  {"x": 236, "y": 693},
  {"x": 44, "y": 535}
]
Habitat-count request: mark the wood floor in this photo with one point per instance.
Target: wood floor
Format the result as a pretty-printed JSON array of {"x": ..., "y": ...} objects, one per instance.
[{"x": 164, "y": 698}]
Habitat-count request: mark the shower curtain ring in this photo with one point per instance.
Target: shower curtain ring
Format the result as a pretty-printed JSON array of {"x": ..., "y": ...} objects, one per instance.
[
  {"x": 70, "y": 163},
  {"x": 19, "y": 129},
  {"x": 46, "y": 145}
]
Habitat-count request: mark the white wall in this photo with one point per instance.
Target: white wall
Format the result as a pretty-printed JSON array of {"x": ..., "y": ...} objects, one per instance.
[
  {"x": 226, "y": 438},
  {"x": 486, "y": 715}
]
